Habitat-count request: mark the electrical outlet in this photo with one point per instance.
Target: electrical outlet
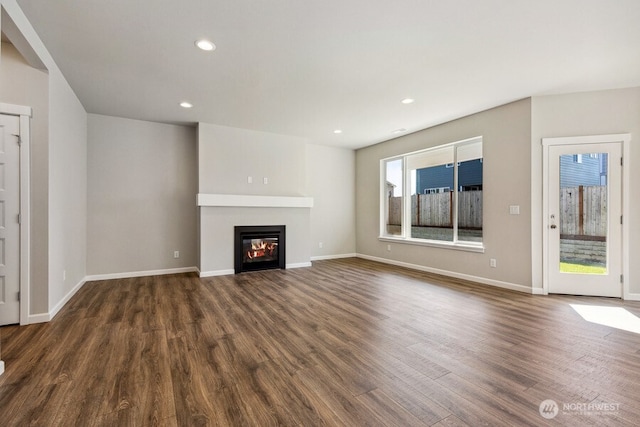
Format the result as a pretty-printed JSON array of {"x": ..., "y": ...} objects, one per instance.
[
  {"x": 389, "y": 248},
  {"x": 64, "y": 275},
  {"x": 249, "y": 180},
  {"x": 320, "y": 245},
  {"x": 265, "y": 180},
  {"x": 176, "y": 254},
  {"x": 493, "y": 263}
]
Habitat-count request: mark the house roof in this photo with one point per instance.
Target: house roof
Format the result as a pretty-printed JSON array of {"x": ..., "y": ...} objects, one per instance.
[{"x": 308, "y": 68}]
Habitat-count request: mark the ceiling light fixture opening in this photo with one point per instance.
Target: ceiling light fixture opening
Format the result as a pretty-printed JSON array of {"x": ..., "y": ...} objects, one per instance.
[
  {"x": 205, "y": 45},
  {"x": 401, "y": 130},
  {"x": 337, "y": 131},
  {"x": 408, "y": 101},
  {"x": 185, "y": 104}
]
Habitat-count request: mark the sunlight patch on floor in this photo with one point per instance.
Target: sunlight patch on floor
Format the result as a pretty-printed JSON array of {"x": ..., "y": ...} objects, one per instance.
[{"x": 614, "y": 317}]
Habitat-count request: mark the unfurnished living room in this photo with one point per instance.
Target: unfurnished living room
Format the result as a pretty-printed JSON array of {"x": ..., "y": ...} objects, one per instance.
[{"x": 338, "y": 213}]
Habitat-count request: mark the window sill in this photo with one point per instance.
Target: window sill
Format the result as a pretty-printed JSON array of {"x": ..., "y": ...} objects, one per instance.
[{"x": 468, "y": 247}]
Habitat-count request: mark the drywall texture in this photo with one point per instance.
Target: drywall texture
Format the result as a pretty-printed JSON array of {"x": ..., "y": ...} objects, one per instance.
[
  {"x": 589, "y": 113},
  {"x": 228, "y": 156},
  {"x": 21, "y": 84},
  {"x": 67, "y": 191},
  {"x": 142, "y": 185},
  {"x": 331, "y": 183},
  {"x": 506, "y": 133}
]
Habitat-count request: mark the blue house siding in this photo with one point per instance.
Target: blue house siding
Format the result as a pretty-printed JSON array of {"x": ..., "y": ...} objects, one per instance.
[
  {"x": 584, "y": 170},
  {"x": 469, "y": 175}
]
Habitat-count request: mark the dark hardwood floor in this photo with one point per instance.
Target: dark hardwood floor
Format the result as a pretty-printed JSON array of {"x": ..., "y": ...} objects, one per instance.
[{"x": 344, "y": 343}]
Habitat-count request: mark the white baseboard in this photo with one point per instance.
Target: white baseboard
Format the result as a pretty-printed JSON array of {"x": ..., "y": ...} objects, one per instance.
[
  {"x": 214, "y": 273},
  {"x": 632, "y": 297},
  {"x": 1, "y": 367},
  {"x": 299, "y": 265},
  {"x": 482, "y": 280},
  {"x": 131, "y": 274},
  {"x": 38, "y": 318},
  {"x": 325, "y": 257},
  {"x": 67, "y": 297}
]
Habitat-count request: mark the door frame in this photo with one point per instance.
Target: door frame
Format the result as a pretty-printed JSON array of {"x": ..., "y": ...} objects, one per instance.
[
  {"x": 624, "y": 139},
  {"x": 25, "y": 114}
]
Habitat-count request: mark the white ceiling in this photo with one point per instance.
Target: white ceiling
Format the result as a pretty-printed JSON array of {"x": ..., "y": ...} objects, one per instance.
[{"x": 306, "y": 68}]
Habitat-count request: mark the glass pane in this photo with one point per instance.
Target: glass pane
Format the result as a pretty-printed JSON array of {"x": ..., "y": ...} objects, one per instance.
[
  {"x": 583, "y": 213},
  {"x": 393, "y": 199},
  {"x": 470, "y": 200},
  {"x": 432, "y": 194}
]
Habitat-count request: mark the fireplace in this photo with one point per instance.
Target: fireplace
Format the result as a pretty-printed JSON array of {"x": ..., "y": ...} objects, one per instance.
[{"x": 259, "y": 247}]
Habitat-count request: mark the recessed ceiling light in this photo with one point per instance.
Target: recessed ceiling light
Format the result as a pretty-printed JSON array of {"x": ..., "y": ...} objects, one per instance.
[
  {"x": 401, "y": 130},
  {"x": 185, "y": 104},
  {"x": 408, "y": 101},
  {"x": 205, "y": 45},
  {"x": 337, "y": 131}
]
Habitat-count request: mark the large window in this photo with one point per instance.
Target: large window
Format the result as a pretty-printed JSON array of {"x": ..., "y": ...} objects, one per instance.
[{"x": 434, "y": 196}]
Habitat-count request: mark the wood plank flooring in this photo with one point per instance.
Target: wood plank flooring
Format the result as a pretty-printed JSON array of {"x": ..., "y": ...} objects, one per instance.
[{"x": 343, "y": 343}]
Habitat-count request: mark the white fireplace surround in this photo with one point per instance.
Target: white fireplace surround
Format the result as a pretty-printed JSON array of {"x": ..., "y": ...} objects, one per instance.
[
  {"x": 220, "y": 213},
  {"x": 253, "y": 201}
]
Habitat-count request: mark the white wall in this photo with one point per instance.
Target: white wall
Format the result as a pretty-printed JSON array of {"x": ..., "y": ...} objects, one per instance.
[
  {"x": 227, "y": 156},
  {"x": 331, "y": 182},
  {"x": 506, "y": 133},
  {"x": 580, "y": 114},
  {"x": 142, "y": 179},
  {"x": 67, "y": 192}
]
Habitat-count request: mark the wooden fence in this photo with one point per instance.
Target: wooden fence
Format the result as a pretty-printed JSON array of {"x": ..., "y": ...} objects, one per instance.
[
  {"x": 583, "y": 211},
  {"x": 434, "y": 210}
]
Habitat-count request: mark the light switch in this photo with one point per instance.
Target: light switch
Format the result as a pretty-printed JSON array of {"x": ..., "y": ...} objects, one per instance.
[{"x": 514, "y": 210}]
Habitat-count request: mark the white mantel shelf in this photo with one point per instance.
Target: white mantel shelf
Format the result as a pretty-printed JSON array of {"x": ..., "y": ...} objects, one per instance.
[{"x": 249, "y": 201}]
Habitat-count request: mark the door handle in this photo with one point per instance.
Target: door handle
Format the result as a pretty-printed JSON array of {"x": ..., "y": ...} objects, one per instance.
[{"x": 553, "y": 226}]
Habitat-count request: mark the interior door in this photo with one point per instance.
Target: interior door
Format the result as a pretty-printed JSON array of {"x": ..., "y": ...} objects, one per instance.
[
  {"x": 9, "y": 225},
  {"x": 584, "y": 224}
]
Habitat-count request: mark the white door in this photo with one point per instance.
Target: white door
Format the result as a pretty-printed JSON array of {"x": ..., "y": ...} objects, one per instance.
[
  {"x": 584, "y": 219},
  {"x": 9, "y": 225}
]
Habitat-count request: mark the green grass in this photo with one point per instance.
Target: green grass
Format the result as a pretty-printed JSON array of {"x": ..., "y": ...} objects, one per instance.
[{"x": 566, "y": 267}]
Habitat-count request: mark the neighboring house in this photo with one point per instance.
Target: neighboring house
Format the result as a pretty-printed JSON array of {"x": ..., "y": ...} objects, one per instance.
[
  {"x": 439, "y": 179},
  {"x": 583, "y": 169},
  {"x": 391, "y": 188}
]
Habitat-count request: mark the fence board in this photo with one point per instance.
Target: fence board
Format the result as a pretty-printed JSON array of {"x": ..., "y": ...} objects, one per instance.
[
  {"x": 594, "y": 216},
  {"x": 435, "y": 210}
]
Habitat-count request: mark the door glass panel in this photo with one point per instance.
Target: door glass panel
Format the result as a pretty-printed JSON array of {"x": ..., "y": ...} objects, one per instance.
[{"x": 583, "y": 216}]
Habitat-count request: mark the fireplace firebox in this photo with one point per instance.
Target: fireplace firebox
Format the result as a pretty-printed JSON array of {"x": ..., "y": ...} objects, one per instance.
[{"x": 259, "y": 247}]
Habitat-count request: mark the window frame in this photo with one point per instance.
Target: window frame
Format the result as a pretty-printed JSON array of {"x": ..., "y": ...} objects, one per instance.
[{"x": 405, "y": 234}]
